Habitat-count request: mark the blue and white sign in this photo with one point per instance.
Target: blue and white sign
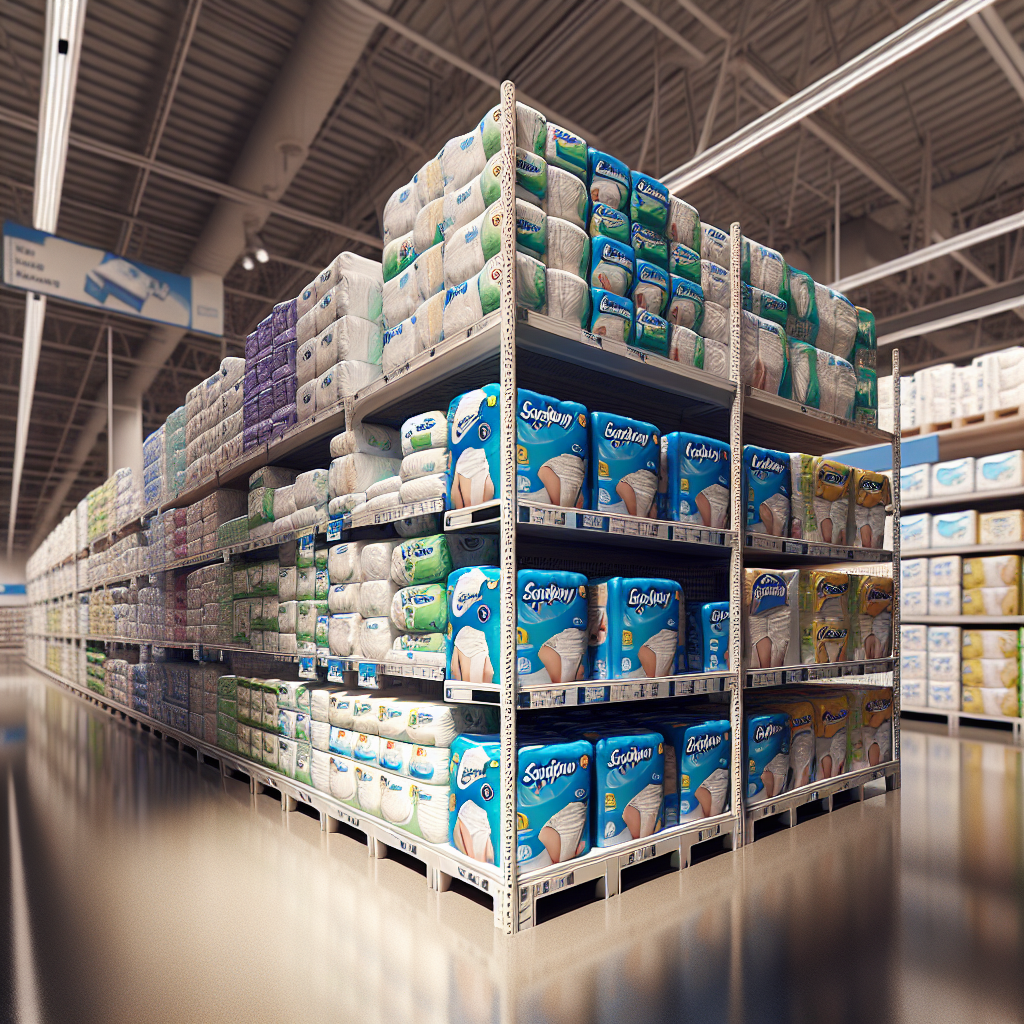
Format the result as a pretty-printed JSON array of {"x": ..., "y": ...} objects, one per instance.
[
  {"x": 38, "y": 262},
  {"x": 11, "y": 588}
]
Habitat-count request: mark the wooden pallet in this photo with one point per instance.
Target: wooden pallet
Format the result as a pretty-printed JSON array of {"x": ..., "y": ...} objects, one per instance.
[{"x": 959, "y": 422}]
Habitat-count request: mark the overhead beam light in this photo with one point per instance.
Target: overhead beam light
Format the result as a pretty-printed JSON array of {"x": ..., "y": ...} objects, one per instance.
[
  {"x": 62, "y": 49},
  {"x": 919, "y": 32}
]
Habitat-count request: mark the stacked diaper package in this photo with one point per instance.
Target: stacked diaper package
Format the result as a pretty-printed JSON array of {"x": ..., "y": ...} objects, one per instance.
[
  {"x": 213, "y": 421},
  {"x": 966, "y": 476},
  {"x": 834, "y": 504}
]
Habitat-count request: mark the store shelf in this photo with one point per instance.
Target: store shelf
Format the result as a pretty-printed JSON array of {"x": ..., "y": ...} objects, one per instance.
[
  {"x": 368, "y": 671},
  {"x": 593, "y": 691},
  {"x": 955, "y": 718},
  {"x": 381, "y": 517},
  {"x": 974, "y": 550},
  {"x": 998, "y": 434},
  {"x": 788, "y": 426},
  {"x": 786, "y": 550},
  {"x": 878, "y": 672},
  {"x": 962, "y": 620},
  {"x": 955, "y": 501}
]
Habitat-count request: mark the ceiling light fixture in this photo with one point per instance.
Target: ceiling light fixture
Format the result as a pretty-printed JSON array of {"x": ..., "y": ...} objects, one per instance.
[
  {"x": 247, "y": 262},
  {"x": 260, "y": 250},
  {"x": 62, "y": 49}
]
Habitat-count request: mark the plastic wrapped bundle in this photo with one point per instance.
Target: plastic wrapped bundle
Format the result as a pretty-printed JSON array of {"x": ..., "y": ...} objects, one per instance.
[
  {"x": 764, "y": 268},
  {"x": 467, "y": 303},
  {"x": 825, "y": 318},
  {"x": 473, "y": 244},
  {"x": 821, "y": 380},
  {"x": 400, "y": 212},
  {"x": 763, "y": 353},
  {"x": 702, "y": 353}
]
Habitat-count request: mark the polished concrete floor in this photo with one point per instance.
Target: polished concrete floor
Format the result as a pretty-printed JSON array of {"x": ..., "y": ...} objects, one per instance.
[{"x": 143, "y": 887}]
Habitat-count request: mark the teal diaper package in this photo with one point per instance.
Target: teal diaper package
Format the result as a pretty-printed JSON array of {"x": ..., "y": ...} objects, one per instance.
[
  {"x": 696, "y": 768},
  {"x": 608, "y": 180},
  {"x": 650, "y": 288},
  {"x": 651, "y": 333},
  {"x": 648, "y": 202},
  {"x": 707, "y": 636},
  {"x": 606, "y": 220},
  {"x": 624, "y": 463},
  {"x": 633, "y": 627},
  {"x": 628, "y": 800},
  {"x": 551, "y": 449},
  {"x": 767, "y": 755},
  {"x": 766, "y": 486},
  {"x": 649, "y": 245},
  {"x": 611, "y": 316},
  {"x": 474, "y": 445},
  {"x": 475, "y": 804},
  {"x": 551, "y": 633},
  {"x": 683, "y": 262},
  {"x": 698, "y": 480},
  {"x": 612, "y": 265},
  {"x": 474, "y": 623},
  {"x": 685, "y": 304}
]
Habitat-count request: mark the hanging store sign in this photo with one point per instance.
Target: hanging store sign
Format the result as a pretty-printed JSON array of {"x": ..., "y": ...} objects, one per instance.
[{"x": 38, "y": 262}]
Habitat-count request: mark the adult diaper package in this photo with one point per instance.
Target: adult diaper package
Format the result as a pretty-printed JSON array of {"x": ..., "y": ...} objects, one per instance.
[
  {"x": 914, "y": 572},
  {"x": 771, "y": 599},
  {"x": 913, "y": 692},
  {"x": 625, "y": 456},
  {"x": 989, "y": 643},
  {"x": 706, "y": 646},
  {"x": 944, "y": 570},
  {"x": 819, "y": 496},
  {"x": 611, "y": 315},
  {"x": 767, "y": 755},
  {"x": 944, "y": 600},
  {"x": 956, "y": 477},
  {"x": 954, "y": 529},
  {"x": 697, "y": 756},
  {"x": 1001, "y": 527},
  {"x": 831, "y": 718},
  {"x": 915, "y": 531},
  {"x": 628, "y": 800},
  {"x": 991, "y": 601},
  {"x": 991, "y": 700},
  {"x": 475, "y": 805},
  {"x": 634, "y": 629},
  {"x": 612, "y": 265},
  {"x": 551, "y": 449},
  {"x": 474, "y": 624},
  {"x": 551, "y": 634},
  {"x": 870, "y": 618},
  {"x": 766, "y": 479},
  {"x": 824, "y": 616},
  {"x": 992, "y": 571},
  {"x": 415, "y": 807},
  {"x": 697, "y": 480},
  {"x": 870, "y": 493},
  {"x": 998, "y": 472},
  {"x": 608, "y": 180},
  {"x": 915, "y": 482},
  {"x": 474, "y": 442},
  {"x": 991, "y": 672},
  {"x": 875, "y": 725}
]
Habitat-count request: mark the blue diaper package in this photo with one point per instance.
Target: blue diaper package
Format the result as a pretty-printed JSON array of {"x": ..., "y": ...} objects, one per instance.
[
  {"x": 707, "y": 636},
  {"x": 474, "y": 623},
  {"x": 650, "y": 288},
  {"x": 685, "y": 304},
  {"x": 553, "y": 798},
  {"x": 474, "y": 446},
  {"x": 697, "y": 754},
  {"x": 649, "y": 245},
  {"x": 606, "y": 220},
  {"x": 648, "y": 203},
  {"x": 611, "y": 316},
  {"x": 766, "y": 485},
  {"x": 474, "y": 808},
  {"x": 612, "y": 265},
  {"x": 624, "y": 463},
  {"x": 651, "y": 333},
  {"x": 551, "y": 449},
  {"x": 628, "y": 800},
  {"x": 608, "y": 180},
  {"x": 633, "y": 627},
  {"x": 767, "y": 754},
  {"x": 551, "y": 634},
  {"x": 698, "y": 480}
]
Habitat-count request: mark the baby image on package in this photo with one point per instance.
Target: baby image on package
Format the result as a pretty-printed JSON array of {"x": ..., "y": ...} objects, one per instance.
[
  {"x": 771, "y": 600},
  {"x": 551, "y": 633}
]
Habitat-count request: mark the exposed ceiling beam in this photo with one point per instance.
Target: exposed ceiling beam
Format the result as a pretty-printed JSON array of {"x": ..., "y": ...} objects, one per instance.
[
  {"x": 992, "y": 31},
  {"x": 694, "y": 57}
]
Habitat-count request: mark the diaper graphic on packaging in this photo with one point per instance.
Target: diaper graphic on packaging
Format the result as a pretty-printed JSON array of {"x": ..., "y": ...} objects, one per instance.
[
  {"x": 551, "y": 634},
  {"x": 612, "y": 265},
  {"x": 766, "y": 480},
  {"x": 706, "y": 643},
  {"x": 474, "y": 631},
  {"x": 831, "y": 715},
  {"x": 767, "y": 750},
  {"x": 474, "y": 806},
  {"x": 820, "y": 499},
  {"x": 611, "y": 315},
  {"x": 870, "y": 618},
  {"x": 771, "y": 599},
  {"x": 801, "y": 740},
  {"x": 698, "y": 480},
  {"x": 553, "y": 798},
  {"x": 628, "y": 799},
  {"x": 608, "y": 180},
  {"x": 633, "y": 627},
  {"x": 696, "y": 768},
  {"x": 954, "y": 528},
  {"x": 876, "y": 725},
  {"x": 824, "y": 616},
  {"x": 474, "y": 442},
  {"x": 625, "y": 456},
  {"x": 989, "y": 643},
  {"x": 870, "y": 493},
  {"x": 551, "y": 449}
]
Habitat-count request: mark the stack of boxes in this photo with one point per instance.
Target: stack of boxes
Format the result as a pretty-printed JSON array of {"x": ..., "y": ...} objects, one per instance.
[
  {"x": 154, "y": 468},
  {"x": 175, "y": 453},
  {"x": 227, "y": 713},
  {"x": 991, "y": 671},
  {"x": 213, "y": 423}
]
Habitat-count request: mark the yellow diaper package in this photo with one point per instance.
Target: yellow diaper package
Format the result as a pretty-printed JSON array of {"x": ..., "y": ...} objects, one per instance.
[
  {"x": 819, "y": 499},
  {"x": 831, "y": 721},
  {"x": 992, "y": 673},
  {"x": 801, "y": 738},
  {"x": 870, "y": 618},
  {"x": 991, "y": 600},
  {"x": 981, "y": 700},
  {"x": 870, "y": 493},
  {"x": 824, "y": 616},
  {"x": 875, "y": 726},
  {"x": 990, "y": 643},
  {"x": 992, "y": 571}
]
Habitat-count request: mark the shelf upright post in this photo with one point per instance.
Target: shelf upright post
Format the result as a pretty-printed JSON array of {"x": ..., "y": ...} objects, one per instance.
[
  {"x": 507, "y": 906},
  {"x": 895, "y": 781},
  {"x": 736, "y": 522}
]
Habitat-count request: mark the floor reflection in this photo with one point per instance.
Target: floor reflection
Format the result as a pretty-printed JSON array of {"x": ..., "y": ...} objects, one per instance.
[{"x": 159, "y": 891}]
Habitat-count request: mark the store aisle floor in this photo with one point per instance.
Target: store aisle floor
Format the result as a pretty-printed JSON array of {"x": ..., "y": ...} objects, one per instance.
[{"x": 143, "y": 887}]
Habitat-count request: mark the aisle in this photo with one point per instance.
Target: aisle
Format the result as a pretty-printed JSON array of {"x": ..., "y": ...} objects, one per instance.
[{"x": 155, "y": 891}]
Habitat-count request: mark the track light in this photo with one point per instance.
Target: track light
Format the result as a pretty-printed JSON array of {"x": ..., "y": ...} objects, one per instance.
[
  {"x": 260, "y": 250},
  {"x": 247, "y": 262}
]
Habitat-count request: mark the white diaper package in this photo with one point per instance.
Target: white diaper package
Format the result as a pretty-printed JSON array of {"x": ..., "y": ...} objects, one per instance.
[
  {"x": 944, "y": 570},
  {"x": 990, "y": 672},
  {"x": 344, "y": 562},
  {"x": 944, "y": 694},
  {"x": 375, "y": 598},
  {"x": 915, "y": 637},
  {"x": 424, "y": 463},
  {"x": 986, "y": 700},
  {"x": 389, "y": 485},
  {"x": 914, "y": 571},
  {"x": 375, "y": 559},
  {"x": 427, "y": 430},
  {"x": 944, "y": 600},
  {"x": 1001, "y": 527},
  {"x": 369, "y": 438},
  {"x": 956, "y": 477},
  {"x": 914, "y": 601},
  {"x": 376, "y": 636},
  {"x": 915, "y": 482},
  {"x": 944, "y": 666},
  {"x": 423, "y": 488},
  {"x": 356, "y": 472},
  {"x": 998, "y": 472},
  {"x": 343, "y": 598},
  {"x": 343, "y": 635},
  {"x": 954, "y": 529},
  {"x": 943, "y": 639},
  {"x": 991, "y": 601},
  {"x": 913, "y": 692},
  {"x": 913, "y": 664},
  {"x": 915, "y": 531}
]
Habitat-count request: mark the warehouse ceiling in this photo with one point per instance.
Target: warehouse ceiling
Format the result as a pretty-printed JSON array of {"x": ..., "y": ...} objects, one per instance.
[{"x": 169, "y": 91}]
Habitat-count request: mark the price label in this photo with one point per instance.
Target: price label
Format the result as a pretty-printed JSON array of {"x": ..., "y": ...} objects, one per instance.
[
  {"x": 334, "y": 671},
  {"x": 334, "y": 528},
  {"x": 307, "y": 667},
  {"x": 368, "y": 674}
]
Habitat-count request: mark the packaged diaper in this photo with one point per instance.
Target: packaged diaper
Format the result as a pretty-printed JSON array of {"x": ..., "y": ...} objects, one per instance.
[
  {"x": 991, "y": 700},
  {"x": 990, "y": 643},
  {"x": 767, "y": 755},
  {"x": 771, "y": 599},
  {"x": 944, "y": 694},
  {"x": 956, "y": 477},
  {"x": 686, "y": 305},
  {"x": 1001, "y": 527},
  {"x": 649, "y": 245},
  {"x": 421, "y": 560},
  {"x": 870, "y": 493},
  {"x": 612, "y": 265},
  {"x": 474, "y": 443},
  {"x": 914, "y": 572},
  {"x": 954, "y": 529},
  {"x": 913, "y": 692},
  {"x": 551, "y": 449},
  {"x": 421, "y": 609},
  {"x": 607, "y": 221},
  {"x": 633, "y": 627},
  {"x": 875, "y": 725},
  {"x": 819, "y": 496},
  {"x": 474, "y": 624},
  {"x": 991, "y": 601},
  {"x": 551, "y": 634},
  {"x": 608, "y": 180},
  {"x": 943, "y": 640},
  {"x": 553, "y": 802},
  {"x": 870, "y": 618},
  {"x": 915, "y": 482},
  {"x": 475, "y": 805},
  {"x": 944, "y": 600},
  {"x": 802, "y": 762},
  {"x": 698, "y": 480},
  {"x": 628, "y": 800},
  {"x": 943, "y": 667},
  {"x": 625, "y": 456},
  {"x": 999, "y": 472},
  {"x": 706, "y": 646},
  {"x": 991, "y": 672},
  {"x": 831, "y": 713},
  {"x": 766, "y": 479},
  {"x": 915, "y": 531},
  {"x": 992, "y": 571},
  {"x": 696, "y": 768},
  {"x": 914, "y": 601},
  {"x": 913, "y": 637},
  {"x": 428, "y": 430},
  {"x": 944, "y": 570}
]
